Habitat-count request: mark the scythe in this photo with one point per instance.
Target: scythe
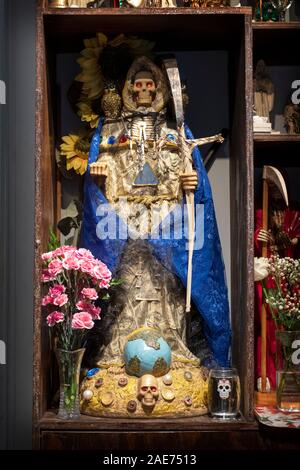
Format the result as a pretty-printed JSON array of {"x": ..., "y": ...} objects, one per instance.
[{"x": 271, "y": 178}]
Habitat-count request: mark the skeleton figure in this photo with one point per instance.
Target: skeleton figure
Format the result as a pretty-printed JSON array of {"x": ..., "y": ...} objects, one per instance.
[
  {"x": 146, "y": 170},
  {"x": 148, "y": 391},
  {"x": 224, "y": 388}
]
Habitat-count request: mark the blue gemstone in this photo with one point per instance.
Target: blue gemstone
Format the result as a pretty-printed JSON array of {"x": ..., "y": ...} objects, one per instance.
[
  {"x": 111, "y": 140},
  {"x": 92, "y": 372},
  {"x": 171, "y": 137}
]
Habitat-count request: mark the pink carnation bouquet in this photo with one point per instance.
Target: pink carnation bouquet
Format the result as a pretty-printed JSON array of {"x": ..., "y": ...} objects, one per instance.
[{"x": 75, "y": 280}]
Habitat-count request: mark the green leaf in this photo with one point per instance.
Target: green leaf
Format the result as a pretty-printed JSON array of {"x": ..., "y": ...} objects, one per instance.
[
  {"x": 53, "y": 241},
  {"x": 116, "y": 282}
]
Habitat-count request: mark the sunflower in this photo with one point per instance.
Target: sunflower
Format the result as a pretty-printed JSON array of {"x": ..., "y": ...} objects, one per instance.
[
  {"x": 76, "y": 150},
  {"x": 100, "y": 59},
  {"x": 91, "y": 76},
  {"x": 86, "y": 114}
]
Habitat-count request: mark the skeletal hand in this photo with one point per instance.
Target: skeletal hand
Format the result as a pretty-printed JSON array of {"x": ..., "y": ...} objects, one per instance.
[
  {"x": 189, "y": 181},
  {"x": 264, "y": 236},
  {"x": 99, "y": 169}
]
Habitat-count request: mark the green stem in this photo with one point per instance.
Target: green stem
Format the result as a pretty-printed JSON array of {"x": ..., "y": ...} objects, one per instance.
[{"x": 270, "y": 306}]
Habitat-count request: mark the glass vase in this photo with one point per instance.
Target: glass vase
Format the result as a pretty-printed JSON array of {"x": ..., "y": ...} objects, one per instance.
[
  {"x": 69, "y": 363},
  {"x": 288, "y": 370},
  {"x": 281, "y": 7}
]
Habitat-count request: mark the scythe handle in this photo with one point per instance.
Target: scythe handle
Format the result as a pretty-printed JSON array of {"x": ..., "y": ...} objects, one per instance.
[{"x": 263, "y": 365}]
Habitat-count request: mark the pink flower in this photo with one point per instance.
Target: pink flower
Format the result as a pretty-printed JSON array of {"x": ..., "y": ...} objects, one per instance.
[
  {"x": 82, "y": 320},
  {"x": 101, "y": 271},
  {"x": 71, "y": 263},
  {"x": 46, "y": 276},
  {"x": 83, "y": 305},
  {"x": 47, "y": 300},
  {"x": 103, "y": 284},
  {"x": 57, "y": 252},
  {"x": 55, "y": 267},
  {"x": 62, "y": 250},
  {"x": 95, "y": 312},
  {"x": 55, "y": 317},
  {"x": 90, "y": 293},
  {"x": 86, "y": 266},
  {"x": 56, "y": 290},
  {"x": 90, "y": 308},
  {"x": 82, "y": 253},
  {"x": 61, "y": 300},
  {"x": 47, "y": 256},
  {"x": 68, "y": 249}
]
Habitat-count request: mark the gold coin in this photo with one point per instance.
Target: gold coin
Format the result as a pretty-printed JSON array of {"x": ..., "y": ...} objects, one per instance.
[
  {"x": 131, "y": 406},
  {"x": 167, "y": 379},
  {"x": 188, "y": 400},
  {"x": 188, "y": 376},
  {"x": 123, "y": 381},
  {"x": 168, "y": 394},
  {"x": 107, "y": 399},
  {"x": 99, "y": 382}
]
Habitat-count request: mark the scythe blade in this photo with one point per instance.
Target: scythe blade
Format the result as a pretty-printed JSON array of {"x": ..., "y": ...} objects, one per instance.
[{"x": 276, "y": 181}]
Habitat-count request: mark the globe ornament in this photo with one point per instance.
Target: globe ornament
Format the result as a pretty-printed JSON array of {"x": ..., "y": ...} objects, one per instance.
[{"x": 147, "y": 352}]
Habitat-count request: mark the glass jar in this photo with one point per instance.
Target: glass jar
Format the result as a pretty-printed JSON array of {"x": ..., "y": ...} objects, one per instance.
[{"x": 224, "y": 393}]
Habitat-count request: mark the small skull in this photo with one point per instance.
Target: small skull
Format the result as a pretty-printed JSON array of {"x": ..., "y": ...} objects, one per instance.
[
  {"x": 224, "y": 388},
  {"x": 148, "y": 391},
  {"x": 144, "y": 88}
]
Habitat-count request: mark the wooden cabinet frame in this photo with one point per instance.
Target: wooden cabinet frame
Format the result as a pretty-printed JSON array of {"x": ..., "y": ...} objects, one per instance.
[{"x": 227, "y": 28}]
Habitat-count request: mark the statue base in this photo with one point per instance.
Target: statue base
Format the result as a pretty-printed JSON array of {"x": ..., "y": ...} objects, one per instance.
[{"x": 113, "y": 393}]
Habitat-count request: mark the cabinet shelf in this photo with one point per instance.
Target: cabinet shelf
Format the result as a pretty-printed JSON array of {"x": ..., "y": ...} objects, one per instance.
[
  {"x": 274, "y": 26},
  {"x": 185, "y": 27},
  {"x": 50, "y": 421},
  {"x": 276, "y": 138},
  {"x": 145, "y": 11}
]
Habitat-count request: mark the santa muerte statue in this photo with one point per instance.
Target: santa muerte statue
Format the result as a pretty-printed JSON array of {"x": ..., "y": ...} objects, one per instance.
[{"x": 148, "y": 214}]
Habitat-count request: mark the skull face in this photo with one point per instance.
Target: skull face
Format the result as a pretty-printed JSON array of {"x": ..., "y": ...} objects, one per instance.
[
  {"x": 224, "y": 388},
  {"x": 148, "y": 391},
  {"x": 144, "y": 89}
]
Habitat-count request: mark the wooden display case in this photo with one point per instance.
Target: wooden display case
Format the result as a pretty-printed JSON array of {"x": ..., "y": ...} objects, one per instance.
[
  {"x": 277, "y": 44},
  {"x": 61, "y": 31}
]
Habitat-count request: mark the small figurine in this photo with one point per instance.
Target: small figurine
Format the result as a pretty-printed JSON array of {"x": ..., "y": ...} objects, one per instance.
[
  {"x": 96, "y": 4},
  {"x": 263, "y": 90},
  {"x": 292, "y": 118},
  {"x": 206, "y": 3},
  {"x": 152, "y": 3},
  {"x": 58, "y": 4},
  {"x": 111, "y": 102}
]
